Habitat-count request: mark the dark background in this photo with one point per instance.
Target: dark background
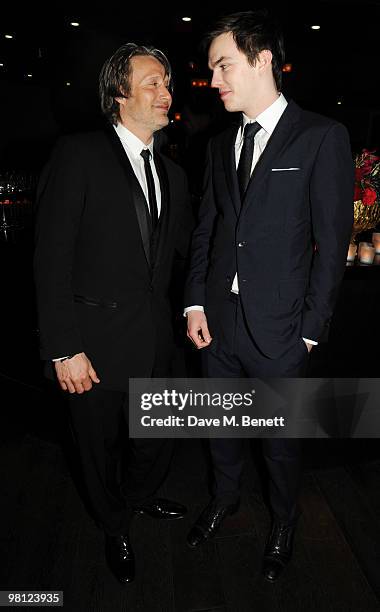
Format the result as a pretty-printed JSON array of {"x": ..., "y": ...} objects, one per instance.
[{"x": 339, "y": 62}]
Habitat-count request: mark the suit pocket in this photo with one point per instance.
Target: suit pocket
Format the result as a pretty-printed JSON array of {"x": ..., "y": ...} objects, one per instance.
[
  {"x": 286, "y": 169},
  {"x": 90, "y": 301},
  {"x": 285, "y": 174}
]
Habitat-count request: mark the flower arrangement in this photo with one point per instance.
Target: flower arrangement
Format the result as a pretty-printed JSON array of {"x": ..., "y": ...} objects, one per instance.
[
  {"x": 367, "y": 192},
  {"x": 367, "y": 177}
]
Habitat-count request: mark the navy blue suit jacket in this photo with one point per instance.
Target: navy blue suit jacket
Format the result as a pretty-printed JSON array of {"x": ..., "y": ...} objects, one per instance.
[{"x": 287, "y": 240}]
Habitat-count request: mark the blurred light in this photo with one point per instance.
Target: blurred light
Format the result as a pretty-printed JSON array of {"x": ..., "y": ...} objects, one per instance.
[
  {"x": 75, "y": 24},
  {"x": 177, "y": 116},
  {"x": 199, "y": 83},
  {"x": 186, "y": 18},
  {"x": 192, "y": 65},
  {"x": 68, "y": 83},
  {"x": 316, "y": 27},
  {"x": 1, "y": 65},
  {"x": 9, "y": 36},
  {"x": 29, "y": 75},
  {"x": 339, "y": 102},
  {"x": 287, "y": 68}
]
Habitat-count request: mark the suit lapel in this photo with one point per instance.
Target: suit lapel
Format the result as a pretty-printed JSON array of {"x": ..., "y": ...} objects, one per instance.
[
  {"x": 229, "y": 161},
  {"x": 163, "y": 224},
  {"x": 136, "y": 192},
  {"x": 275, "y": 145}
]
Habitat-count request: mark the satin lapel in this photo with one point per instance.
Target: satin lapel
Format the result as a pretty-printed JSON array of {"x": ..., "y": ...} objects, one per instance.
[
  {"x": 229, "y": 161},
  {"x": 165, "y": 204},
  {"x": 276, "y": 143},
  {"x": 136, "y": 192}
]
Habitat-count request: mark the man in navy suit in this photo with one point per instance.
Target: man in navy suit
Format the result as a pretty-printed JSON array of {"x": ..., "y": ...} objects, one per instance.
[{"x": 268, "y": 254}]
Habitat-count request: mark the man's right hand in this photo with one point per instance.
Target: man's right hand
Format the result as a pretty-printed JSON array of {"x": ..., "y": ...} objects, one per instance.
[
  {"x": 76, "y": 375},
  {"x": 197, "y": 330}
]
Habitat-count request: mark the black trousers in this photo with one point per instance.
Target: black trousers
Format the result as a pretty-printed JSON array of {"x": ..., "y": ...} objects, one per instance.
[
  {"x": 118, "y": 472},
  {"x": 234, "y": 354}
]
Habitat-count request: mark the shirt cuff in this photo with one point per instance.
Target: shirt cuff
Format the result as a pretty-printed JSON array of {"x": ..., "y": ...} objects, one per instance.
[
  {"x": 313, "y": 342},
  {"x": 199, "y": 308},
  {"x": 61, "y": 358}
]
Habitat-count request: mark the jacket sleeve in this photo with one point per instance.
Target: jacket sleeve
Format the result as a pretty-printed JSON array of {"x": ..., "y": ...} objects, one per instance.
[
  {"x": 60, "y": 204},
  {"x": 331, "y": 202},
  {"x": 195, "y": 290}
]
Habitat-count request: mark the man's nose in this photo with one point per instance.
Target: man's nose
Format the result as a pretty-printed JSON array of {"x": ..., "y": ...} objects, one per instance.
[
  {"x": 216, "y": 80},
  {"x": 164, "y": 92}
]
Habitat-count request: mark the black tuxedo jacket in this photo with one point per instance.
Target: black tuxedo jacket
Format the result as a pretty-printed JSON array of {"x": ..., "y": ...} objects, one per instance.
[
  {"x": 100, "y": 289},
  {"x": 287, "y": 240}
]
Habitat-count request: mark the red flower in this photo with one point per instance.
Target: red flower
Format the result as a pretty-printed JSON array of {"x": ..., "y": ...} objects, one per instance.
[
  {"x": 370, "y": 155},
  {"x": 367, "y": 183},
  {"x": 369, "y": 196}
]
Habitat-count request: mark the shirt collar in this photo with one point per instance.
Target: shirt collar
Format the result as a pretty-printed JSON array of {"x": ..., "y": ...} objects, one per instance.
[
  {"x": 134, "y": 144},
  {"x": 269, "y": 118}
]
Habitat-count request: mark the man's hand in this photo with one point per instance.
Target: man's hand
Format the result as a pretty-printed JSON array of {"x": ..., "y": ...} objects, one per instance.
[
  {"x": 76, "y": 375},
  {"x": 197, "y": 330}
]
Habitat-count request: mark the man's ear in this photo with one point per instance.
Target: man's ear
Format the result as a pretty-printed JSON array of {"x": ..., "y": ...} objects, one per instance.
[
  {"x": 121, "y": 99},
  {"x": 264, "y": 58}
]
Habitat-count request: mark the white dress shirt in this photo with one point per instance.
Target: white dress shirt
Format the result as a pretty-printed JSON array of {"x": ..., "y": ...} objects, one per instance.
[
  {"x": 133, "y": 147},
  {"x": 268, "y": 120}
]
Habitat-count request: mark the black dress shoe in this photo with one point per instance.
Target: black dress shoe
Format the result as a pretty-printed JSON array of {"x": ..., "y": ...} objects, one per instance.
[
  {"x": 278, "y": 550},
  {"x": 120, "y": 557},
  {"x": 161, "y": 509},
  {"x": 209, "y": 522}
]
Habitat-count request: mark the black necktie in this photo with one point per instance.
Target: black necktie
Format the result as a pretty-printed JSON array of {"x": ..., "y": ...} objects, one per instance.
[
  {"x": 246, "y": 155},
  {"x": 145, "y": 154}
]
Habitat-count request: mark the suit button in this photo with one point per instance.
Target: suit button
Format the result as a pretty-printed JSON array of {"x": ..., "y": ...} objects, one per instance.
[
  {"x": 241, "y": 244},
  {"x": 243, "y": 280},
  {"x": 228, "y": 279}
]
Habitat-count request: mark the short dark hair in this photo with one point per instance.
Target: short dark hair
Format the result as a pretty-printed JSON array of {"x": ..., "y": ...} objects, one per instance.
[
  {"x": 253, "y": 31},
  {"x": 115, "y": 76}
]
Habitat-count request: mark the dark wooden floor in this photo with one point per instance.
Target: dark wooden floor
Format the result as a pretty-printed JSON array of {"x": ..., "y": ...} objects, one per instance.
[{"x": 48, "y": 541}]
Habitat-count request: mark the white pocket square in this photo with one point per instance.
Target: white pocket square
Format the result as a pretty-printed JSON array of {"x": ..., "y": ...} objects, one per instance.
[{"x": 282, "y": 169}]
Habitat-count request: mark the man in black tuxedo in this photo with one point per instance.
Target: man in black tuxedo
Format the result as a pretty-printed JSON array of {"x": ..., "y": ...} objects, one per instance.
[
  {"x": 112, "y": 214},
  {"x": 268, "y": 254}
]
